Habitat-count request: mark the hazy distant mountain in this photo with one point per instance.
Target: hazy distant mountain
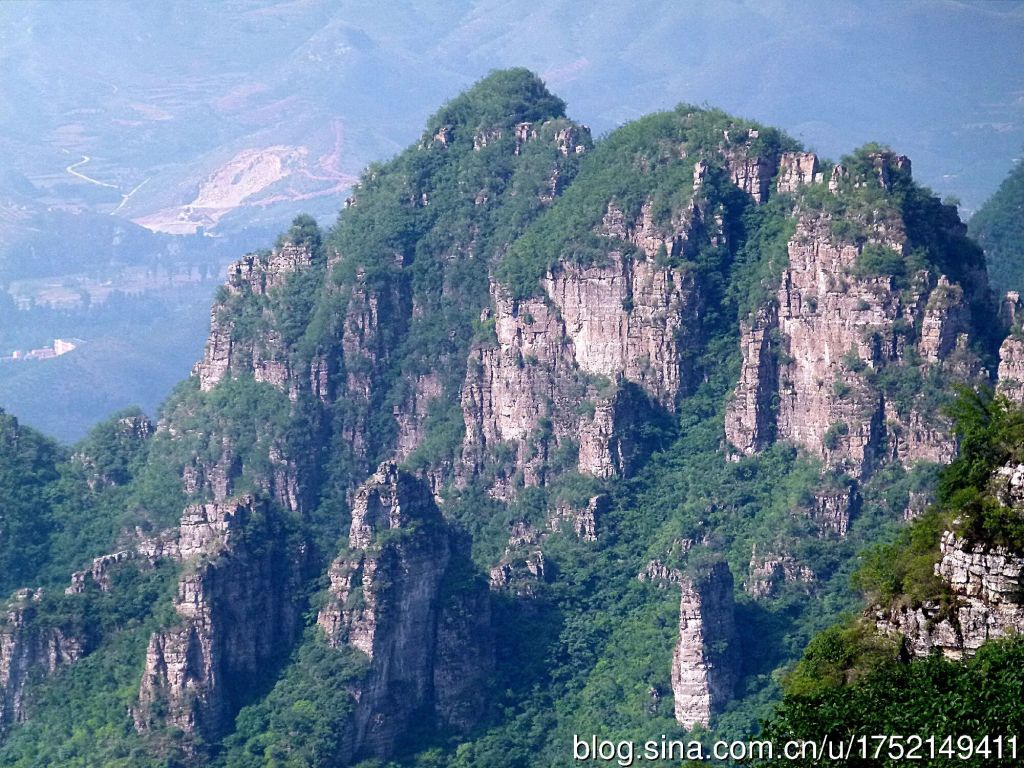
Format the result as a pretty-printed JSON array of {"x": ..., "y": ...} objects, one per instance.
[
  {"x": 999, "y": 227},
  {"x": 232, "y": 113}
]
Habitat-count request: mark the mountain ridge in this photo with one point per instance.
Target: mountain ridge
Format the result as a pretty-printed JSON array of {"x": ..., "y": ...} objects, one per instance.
[{"x": 689, "y": 355}]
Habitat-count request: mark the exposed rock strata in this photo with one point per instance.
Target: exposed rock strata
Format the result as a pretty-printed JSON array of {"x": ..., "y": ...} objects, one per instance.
[
  {"x": 1011, "y": 369},
  {"x": 768, "y": 572},
  {"x": 807, "y": 353},
  {"x": 986, "y": 586},
  {"x": 705, "y": 662},
  {"x": 797, "y": 169},
  {"x": 583, "y": 522},
  {"x": 522, "y": 566},
  {"x": 704, "y": 676},
  {"x": 568, "y": 372},
  {"x": 254, "y": 275}
]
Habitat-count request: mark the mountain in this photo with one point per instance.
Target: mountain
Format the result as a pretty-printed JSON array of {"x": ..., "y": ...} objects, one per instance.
[
  {"x": 546, "y": 436},
  {"x": 153, "y": 139},
  {"x": 998, "y": 226}
]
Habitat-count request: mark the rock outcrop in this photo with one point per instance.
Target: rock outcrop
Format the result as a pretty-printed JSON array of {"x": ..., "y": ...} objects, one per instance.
[
  {"x": 752, "y": 173},
  {"x": 238, "y": 611},
  {"x": 521, "y": 568},
  {"x": 985, "y": 584},
  {"x": 797, "y": 169},
  {"x": 29, "y": 650},
  {"x": 807, "y": 353},
  {"x": 705, "y": 662},
  {"x": 228, "y": 351},
  {"x": 704, "y": 675},
  {"x": 816, "y": 355},
  {"x": 1011, "y": 369},
  {"x": 584, "y": 522},
  {"x": 768, "y": 572},
  {"x": 396, "y": 595}
]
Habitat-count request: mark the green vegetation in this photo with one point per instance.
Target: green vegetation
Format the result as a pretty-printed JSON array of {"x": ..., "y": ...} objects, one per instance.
[
  {"x": 391, "y": 322},
  {"x": 851, "y": 682},
  {"x": 303, "y": 720},
  {"x": 650, "y": 161},
  {"x": 933, "y": 697},
  {"x": 998, "y": 226},
  {"x": 79, "y": 717}
]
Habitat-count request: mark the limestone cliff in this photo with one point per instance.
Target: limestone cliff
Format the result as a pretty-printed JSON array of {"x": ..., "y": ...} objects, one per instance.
[
  {"x": 571, "y": 373},
  {"x": 809, "y": 351},
  {"x": 769, "y": 571},
  {"x": 1011, "y": 369},
  {"x": 816, "y": 357},
  {"x": 231, "y": 348},
  {"x": 237, "y": 610},
  {"x": 987, "y": 588},
  {"x": 396, "y": 595}
]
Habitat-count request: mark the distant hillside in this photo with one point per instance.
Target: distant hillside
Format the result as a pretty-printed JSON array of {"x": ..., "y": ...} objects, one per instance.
[{"x": 999, "y": 227}]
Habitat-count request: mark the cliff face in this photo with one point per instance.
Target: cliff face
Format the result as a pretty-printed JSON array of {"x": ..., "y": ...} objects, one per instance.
[
  {"x": 572, "y": 373},
  {"x": 28, "y": 650},
  {"x": 985, "y": 584},
  {"x": 400, "y": 337},
  {"x": 229, "y": 349},
  {"x": 810, "y": 351},
  {"x": 237, "y": 609},
  {"x": 817, "y": 356},
  {"x": 391, "y": 596}
]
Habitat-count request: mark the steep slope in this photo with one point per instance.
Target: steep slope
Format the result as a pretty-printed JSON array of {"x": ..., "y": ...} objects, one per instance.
[
  {"x": 943, "y": 634},
  {"x": 998, "y": 226},
  {"x": 691, "y": 356}
]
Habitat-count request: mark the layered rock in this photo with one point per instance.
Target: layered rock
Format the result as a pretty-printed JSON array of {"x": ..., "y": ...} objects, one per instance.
[
  {"x": 522, "y": 566},
  {"x": 1011, "y": 369},
  {"x": 705, "y": 661},
  {"x": 569, "y": 371},
  {"x": 412, "y": 414},
  {"x": 238, "y": 610},
  {"x": 808, "y": 352},
  {"x": 704, "y": 675},
  {"x": 985, "y": 583},
  {"x": 99, "y": 573},
  {"x": 987, "y": 588},
  {"x": 768, "y": 572},
  {"x": 394, "y": 595},
  {"x": 584, "y": 522},
  {"x": 750, "y": 418},
  {"x": 797, "y": 169},
  {"x": 29, "y": 650},
  {"x": 751, "y": 173}
]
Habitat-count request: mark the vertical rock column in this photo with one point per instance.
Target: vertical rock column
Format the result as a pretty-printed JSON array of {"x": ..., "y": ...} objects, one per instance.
[{"x": 705, "y": 663}]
